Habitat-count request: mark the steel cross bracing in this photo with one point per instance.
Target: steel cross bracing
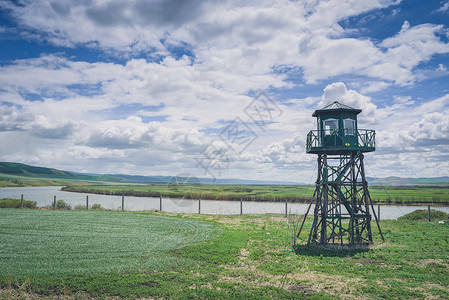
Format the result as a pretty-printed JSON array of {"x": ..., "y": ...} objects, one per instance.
[{"x": 342, "y": 210}]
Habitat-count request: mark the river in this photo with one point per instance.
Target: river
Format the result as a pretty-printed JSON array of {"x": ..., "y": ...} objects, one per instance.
[{"x": 45, "y": 195}]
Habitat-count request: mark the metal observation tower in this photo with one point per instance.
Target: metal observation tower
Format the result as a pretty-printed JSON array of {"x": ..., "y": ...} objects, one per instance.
[{"x": 343, "y": 206}]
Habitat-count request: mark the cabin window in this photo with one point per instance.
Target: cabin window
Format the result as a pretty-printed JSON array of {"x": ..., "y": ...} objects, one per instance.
[
  {"x": 349, "y": 126},
  {"x": 330, "y": 126}
]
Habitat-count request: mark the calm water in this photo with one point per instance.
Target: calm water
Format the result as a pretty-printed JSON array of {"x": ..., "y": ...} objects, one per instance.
[{"x": 44, "y": 196}]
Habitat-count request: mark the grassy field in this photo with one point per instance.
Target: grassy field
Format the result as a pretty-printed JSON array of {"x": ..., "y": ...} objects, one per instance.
[
  {"x": 293, "y": 193},
  {"x": 250, "y": 259},
  {"x": 45, "y": 243}
]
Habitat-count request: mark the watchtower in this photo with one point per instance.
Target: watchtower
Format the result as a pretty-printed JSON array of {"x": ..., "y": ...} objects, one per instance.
[{"x": 342, "y": 210}]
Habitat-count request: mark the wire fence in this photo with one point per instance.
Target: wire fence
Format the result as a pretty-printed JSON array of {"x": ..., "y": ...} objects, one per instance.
[{"x": 200, "y": 206}]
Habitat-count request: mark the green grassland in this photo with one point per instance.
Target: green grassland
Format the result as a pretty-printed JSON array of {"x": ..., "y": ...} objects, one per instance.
[
  {"x": 156, "y": 255},
  {"x": 44, "y": 242},
  {"x": 292, "y": 193}
]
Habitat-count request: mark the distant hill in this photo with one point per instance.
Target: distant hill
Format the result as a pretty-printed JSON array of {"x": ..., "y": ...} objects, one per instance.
[
  {"x": 18, "y": 169},
  {"x": 27, "y": 170}
]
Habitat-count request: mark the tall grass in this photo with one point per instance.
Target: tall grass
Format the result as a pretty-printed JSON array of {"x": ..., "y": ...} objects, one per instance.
[
  {"x": 16, "y": 203},
  {"x": 275, "y": 193}
]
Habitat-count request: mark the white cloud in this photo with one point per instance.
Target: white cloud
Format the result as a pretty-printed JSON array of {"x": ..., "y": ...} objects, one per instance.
[
  {"x": 407, "y": 127},
  {"x": 368, "y": 87},
  {"x": 442, "y": 68},
  {"x": 133, "y": 133},
  {"x": 285, "y": 152},
  {"x": 101, "y": 112},
  {"x": 11, "y": 119},
  {"x": 416, "y": 44},
  {"x": 405, "y": 26},
  {"x": 244, "y": 37},
  {"x": 444, "y": 8},
  {"x": 337, "y": 91}
]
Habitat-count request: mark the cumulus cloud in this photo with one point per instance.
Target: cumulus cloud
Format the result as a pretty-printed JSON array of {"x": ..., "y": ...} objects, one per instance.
[
  {"x": 12, "y": 119},
  {"x": 337, "y": 91},
  {"x": 415, "y": 44},
  {"x": 434, "y": 126},
  {"x": 419, "y": 128},
  {"x": 53, "y": 129},
  {"x": 284, "y": 152},
  {"x": 133, "y": 133},
  {"x": 248, "y": 37}
]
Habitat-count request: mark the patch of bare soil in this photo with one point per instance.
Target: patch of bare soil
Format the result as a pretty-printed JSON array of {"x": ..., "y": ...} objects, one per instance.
[
  {"x": 13, "y": 294},
  {"x": 429, "y": 262}
]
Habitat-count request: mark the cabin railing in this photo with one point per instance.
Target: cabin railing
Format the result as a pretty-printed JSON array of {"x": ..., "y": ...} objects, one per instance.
[{"x": 362, "y": 139}]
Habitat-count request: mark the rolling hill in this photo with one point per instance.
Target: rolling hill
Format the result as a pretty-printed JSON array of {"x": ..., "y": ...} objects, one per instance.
[
  {"x": 8, "y": 169},
  {"x": 18, "y": 171}
]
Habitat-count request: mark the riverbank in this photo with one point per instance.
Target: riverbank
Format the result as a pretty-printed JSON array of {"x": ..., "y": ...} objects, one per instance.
[{"x": 394, "y": 195}]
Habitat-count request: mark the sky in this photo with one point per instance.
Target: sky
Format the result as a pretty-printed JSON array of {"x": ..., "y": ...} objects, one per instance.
[{"x": 221, "y": 89}]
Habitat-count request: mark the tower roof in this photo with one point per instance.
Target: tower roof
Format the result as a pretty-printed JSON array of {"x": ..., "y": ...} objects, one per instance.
[{"x": 336, "y": 106}]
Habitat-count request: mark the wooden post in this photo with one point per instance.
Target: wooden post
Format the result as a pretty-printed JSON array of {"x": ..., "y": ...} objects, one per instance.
[
  {"x": 160, "y": 203},
  {"x": 428, "y": 210},
  {"x": 123, "y": 202},
  {"x": 285, "y": 208},
  {"x": 21, "y": 201},
  {"x": 241, "y": 206},
  {"x": 378, "y": 212},
  {"x": 54, "y": 202},
  {"x": 199, "y": 206},
  {"x": 87, "y": 202}
]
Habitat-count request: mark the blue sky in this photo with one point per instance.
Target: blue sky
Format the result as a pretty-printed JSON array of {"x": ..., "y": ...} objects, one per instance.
[{"x": 168, "y": 87}]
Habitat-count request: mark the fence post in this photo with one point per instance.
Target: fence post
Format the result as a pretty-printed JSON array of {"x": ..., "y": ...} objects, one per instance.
[
  {"x": 428, "y": 210},
  {"x": 160, "y": 203},
  {"x": 199, "y": 206},
  {"x": 87, "y": 202},
  {"x": 123, "y": 202},
  {"x": 21, "y": 201},
  {"x": 378, "y": 212},
  {"x": 54, "y": 202},
  {"x": 241, "y": 206},
  {"x": 285, "y": 207}
]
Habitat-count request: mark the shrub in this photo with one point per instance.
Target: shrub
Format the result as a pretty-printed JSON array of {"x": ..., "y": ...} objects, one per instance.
[
  {"x": 423, "y": 215},
  {"x": 79, "y": 207},
  {"x": 61, "y": 204},
  {"x": 15, "y": 203},
  {"x": 96, "y": 206}
]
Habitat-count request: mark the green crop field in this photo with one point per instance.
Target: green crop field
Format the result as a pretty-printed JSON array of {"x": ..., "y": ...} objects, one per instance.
[
  {"x": 45, "y": 242},
  {"x": 293, "y": 193},
  {"x": 119, "y": 255}
]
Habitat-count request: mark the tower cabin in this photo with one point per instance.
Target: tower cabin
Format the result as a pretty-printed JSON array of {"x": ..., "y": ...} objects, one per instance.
[{"x": 337, "y": 132}]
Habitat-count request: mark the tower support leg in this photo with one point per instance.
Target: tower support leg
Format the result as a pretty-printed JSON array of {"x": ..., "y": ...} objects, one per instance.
[{"x": 343, "y": 204}]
